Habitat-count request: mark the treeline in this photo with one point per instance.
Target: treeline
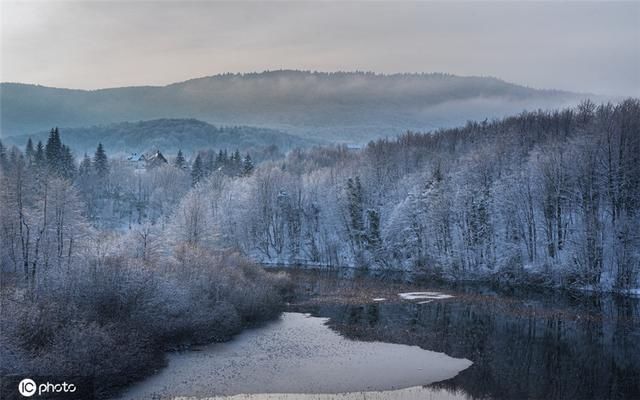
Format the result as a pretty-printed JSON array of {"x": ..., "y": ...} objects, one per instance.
[
  {"x": 208, "y": 162},
  {"x": 548, "y": 198},
  {"x": 113, "y": 193},
  {"x": 167, "y": 134},
  {"x": 545, "y": 197}
]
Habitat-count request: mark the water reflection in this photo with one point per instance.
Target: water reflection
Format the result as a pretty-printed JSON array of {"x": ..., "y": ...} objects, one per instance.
[{"x": 523, "y": 345}]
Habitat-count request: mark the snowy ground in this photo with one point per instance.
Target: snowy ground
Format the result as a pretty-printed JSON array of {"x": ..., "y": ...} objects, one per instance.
[{"x": 298, "y": 354}]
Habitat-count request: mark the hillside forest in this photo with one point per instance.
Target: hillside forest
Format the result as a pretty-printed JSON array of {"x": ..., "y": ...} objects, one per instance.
[{"x": 548, "y": 198}]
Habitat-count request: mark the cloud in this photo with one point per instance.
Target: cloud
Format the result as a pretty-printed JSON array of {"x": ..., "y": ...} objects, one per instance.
[{"x": 591, "y": 47}]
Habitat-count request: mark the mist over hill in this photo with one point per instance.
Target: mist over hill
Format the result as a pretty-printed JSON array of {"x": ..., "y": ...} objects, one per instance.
[
  {"x": 169, "y": 135},
  {"x": 343, "y": 106}
]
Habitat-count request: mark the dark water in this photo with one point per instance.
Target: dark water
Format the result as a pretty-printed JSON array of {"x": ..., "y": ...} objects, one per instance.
[{"x": 523, "y": 345}]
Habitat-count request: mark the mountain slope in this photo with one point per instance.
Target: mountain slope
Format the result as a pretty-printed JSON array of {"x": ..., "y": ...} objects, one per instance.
[
  {"x": 169, "y": 135},
  {"x": 336, "y": 106}
]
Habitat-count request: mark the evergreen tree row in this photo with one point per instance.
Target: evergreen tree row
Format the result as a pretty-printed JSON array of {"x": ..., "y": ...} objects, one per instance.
[
  {"x": 55, "y": 158},
  {"x": 208, "y": 162}
]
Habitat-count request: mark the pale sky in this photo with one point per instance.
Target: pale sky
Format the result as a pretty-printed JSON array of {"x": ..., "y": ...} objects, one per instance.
[{"x": 587, "y": 47}]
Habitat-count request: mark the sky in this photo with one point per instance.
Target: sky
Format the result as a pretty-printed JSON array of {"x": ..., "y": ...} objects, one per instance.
[{"x": 591, "y": 47}]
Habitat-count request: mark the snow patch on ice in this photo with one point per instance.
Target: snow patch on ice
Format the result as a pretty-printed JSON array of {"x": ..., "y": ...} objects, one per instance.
[
  {"x": 424, "y": 296},
  {"x": 379, "y": 299},
  {"x": 634, "y": 292}
]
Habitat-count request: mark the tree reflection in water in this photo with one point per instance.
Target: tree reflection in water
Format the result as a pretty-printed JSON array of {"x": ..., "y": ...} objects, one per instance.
[{"x": 523, "y": 345}]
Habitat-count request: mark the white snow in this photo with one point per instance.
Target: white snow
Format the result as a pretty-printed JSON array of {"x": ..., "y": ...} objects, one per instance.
[
  {"x": 425, "y": 302},
  {"x": 424, "y": 296},
  {"x": 379, "y": 299},
  {"x": 634, "y": 292}
]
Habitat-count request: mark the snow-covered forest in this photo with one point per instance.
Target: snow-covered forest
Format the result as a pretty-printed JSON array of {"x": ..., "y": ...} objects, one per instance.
[
  {"x": 91, "y": 287},
  {"x": 547, "y": 198}
]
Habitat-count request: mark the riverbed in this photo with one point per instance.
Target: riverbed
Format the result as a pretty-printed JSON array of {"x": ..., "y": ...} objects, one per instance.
[
  {"x": 298, "y": 354},
  {"x": 357, "y": 337}
]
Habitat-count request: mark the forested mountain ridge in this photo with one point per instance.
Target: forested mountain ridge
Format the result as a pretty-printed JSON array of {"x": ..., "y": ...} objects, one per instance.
[
  {"x": 169, "y": 135},
  {"x": 343, "y": 106}
]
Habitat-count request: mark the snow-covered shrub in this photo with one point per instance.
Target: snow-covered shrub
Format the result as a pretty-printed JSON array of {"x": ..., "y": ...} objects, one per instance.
[{"x": 114, "y": 316}]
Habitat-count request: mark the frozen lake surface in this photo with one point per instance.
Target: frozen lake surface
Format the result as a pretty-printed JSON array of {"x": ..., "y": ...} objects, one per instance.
[{"x": 300, "y": 354}]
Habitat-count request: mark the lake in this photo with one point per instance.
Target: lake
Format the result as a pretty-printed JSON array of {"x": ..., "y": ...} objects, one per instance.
[{"x": 350, "y": 335}]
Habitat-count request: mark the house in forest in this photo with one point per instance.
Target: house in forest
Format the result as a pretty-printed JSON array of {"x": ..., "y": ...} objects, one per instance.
[
  {"x": 137, "y": 160},
  {"x": 147, "y": 160},
  {"x": 155, "y": 159}
]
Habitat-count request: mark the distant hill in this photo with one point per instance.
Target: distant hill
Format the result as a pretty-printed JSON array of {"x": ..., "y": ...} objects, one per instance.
[
  {"x": 349, "y": 106},
  {"x": 168, "y": 135}
]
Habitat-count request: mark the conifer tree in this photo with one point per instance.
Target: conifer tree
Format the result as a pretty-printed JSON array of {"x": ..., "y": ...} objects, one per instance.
[
  {"x": 53, "y": 151},
  {"x": 247, "y": 165},
  {"x": 235, "y": 163},
  {"x": 180, "y": 161},
  {"x": 68, "y": 166},
  {"x": 354, "y": 199},
  {"x": 197, "y": 170},
  {"x": 210, "y": 166},
  {"x": 29, "y": 152},
  {"x": 374, "y": 239},
  {"x": 100, "y": 162},
  {"x": 85, "y": 166},
  {"x": 221, "y": 161}
]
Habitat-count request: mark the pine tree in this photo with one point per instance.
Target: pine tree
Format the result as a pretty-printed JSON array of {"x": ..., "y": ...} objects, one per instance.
[
  {"x": 374, "y": 239},
  {"x": 197, "y": 171},
  {"x": 53, "y": 151},
  {"x": 354, "y": 198},
  {"x": 68, "y": 165},
  {"x": 100, "y": 162},
  {"x": 180, "y": 162},
  {"x": 247, "y": 165},
  {"x": 85, "y": 166},
  {"x": 29, "y": 152},
  {"x": 210, "y": 166},
  {"x": 221, "y": 161},
  {"x": 236, "y": 163}
]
